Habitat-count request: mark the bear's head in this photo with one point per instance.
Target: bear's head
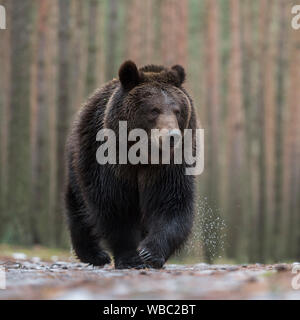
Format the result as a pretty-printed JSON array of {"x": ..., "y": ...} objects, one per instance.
[{"x": 153, "y": 98}]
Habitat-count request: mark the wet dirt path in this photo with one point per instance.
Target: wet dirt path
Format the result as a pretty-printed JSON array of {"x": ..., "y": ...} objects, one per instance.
[{"x": 30, "y": 279}]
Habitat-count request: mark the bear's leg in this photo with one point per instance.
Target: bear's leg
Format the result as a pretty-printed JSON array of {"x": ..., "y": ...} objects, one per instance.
[
  {"x": 85, "y": 243},
  {"x": 166, "y": 235},
  {"x": 168, "y": 206},
  {"x": 124, "y": 243}
]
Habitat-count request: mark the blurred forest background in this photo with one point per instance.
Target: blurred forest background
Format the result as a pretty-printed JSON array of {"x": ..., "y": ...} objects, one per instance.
[{"x": 243, "y": 69}]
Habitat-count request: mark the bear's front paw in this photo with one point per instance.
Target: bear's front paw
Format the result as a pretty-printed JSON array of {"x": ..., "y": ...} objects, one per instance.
[
  {"x": 99, "y": 259},
  {"x": 151, "y": 259},
  {"x": 130, "y": 261}
]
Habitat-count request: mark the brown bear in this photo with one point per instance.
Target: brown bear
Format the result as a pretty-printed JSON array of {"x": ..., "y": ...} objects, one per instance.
[{"x": 143, "y": 213}]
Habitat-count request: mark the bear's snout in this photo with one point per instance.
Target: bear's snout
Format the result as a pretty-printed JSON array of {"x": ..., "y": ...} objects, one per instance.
[
  {"x": 175, "y": 136},
  {"x": 166, "y": 138}
]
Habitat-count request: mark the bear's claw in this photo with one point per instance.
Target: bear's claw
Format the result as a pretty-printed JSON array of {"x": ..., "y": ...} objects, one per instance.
[
  {"x": 145, "y": 255},
  {"x": 151, "y": 260},
  {"x": 130, "y": 261}
]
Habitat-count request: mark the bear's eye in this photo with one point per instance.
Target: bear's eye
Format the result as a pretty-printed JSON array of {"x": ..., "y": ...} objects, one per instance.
[
  {"x": 155, "y": 111},
  {"x": 177, "y": 112}
]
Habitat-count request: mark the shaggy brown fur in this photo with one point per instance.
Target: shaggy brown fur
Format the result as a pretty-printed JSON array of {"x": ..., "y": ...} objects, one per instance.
[{"x": 143, "y": 212}]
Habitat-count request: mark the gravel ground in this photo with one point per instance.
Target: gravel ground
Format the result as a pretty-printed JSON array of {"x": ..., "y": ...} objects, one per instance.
[{"x": 35, "y": 279}]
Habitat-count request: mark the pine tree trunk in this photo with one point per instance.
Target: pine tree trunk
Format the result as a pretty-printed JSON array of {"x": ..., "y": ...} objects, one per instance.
[
  {"x": 292, "y": 151},
  {"x": 52, "y": 77},
  {"x": 112, "y": 30},
  {"x": 212, "y": 89},
  {"x": 62, "y": 112},
  {"x": 277, "y": 248},
  {"x": 5, "y": 67},
  {"x": 236, "y": 133},
  {"x": 93, "y": 45},
  {"x": 19, "y": 179}
]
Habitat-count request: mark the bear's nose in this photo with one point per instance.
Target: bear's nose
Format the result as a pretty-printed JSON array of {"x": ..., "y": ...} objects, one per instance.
[{"x": 174, "y": 132}]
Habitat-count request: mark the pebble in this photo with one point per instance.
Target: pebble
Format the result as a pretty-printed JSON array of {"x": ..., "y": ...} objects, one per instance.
[
  {"x": 143, "y": 272},
  {"x": 281, "y": 267},
  {"x": 201, "y": 266},
  {"x": 206, "y": 272},
  {"x": 19, "y": 256},
  {"x": 252, "y": 279},
  {"x": 233, "y": 268},
  {"x": 36, "y": 259}
]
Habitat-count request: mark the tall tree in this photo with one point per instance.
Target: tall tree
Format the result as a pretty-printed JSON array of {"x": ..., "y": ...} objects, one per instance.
[
  {"x": 111, "y": 39},
  {"x": 149, "y": 32},
  {"x": 280, "y": 89},
  {"x": 235, "y": 118},
  {"x": 249, "y": 54},
  {"x": 181, "y": 29},
  {"x": 265, "y": 116},
  {"x": 18, "y": 199},
  {"x": 52, "y": 90},
  {"x": 5, "y": 66},
  {"x": 168, "y": 32},
  {"x": 39, "y": 127},
  {"x": 78, "y": 47},
  {"x": 291, "y": 158},
  {"x": 212, "y": 103},
  {"x": 63, "y": 111},
  {"x": 94, "y": 30},
  {"x": 135, "y": 43},
  {"x": 269, "y": 122}
]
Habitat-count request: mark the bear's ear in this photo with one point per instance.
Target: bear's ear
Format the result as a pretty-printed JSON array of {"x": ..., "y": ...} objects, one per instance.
[
  {"x": 180, "y": 73},
  {"x": 129, "y": 75}
]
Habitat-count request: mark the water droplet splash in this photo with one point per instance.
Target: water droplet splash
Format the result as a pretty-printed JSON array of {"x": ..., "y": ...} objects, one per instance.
[{"x": 209, "y": 233}]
